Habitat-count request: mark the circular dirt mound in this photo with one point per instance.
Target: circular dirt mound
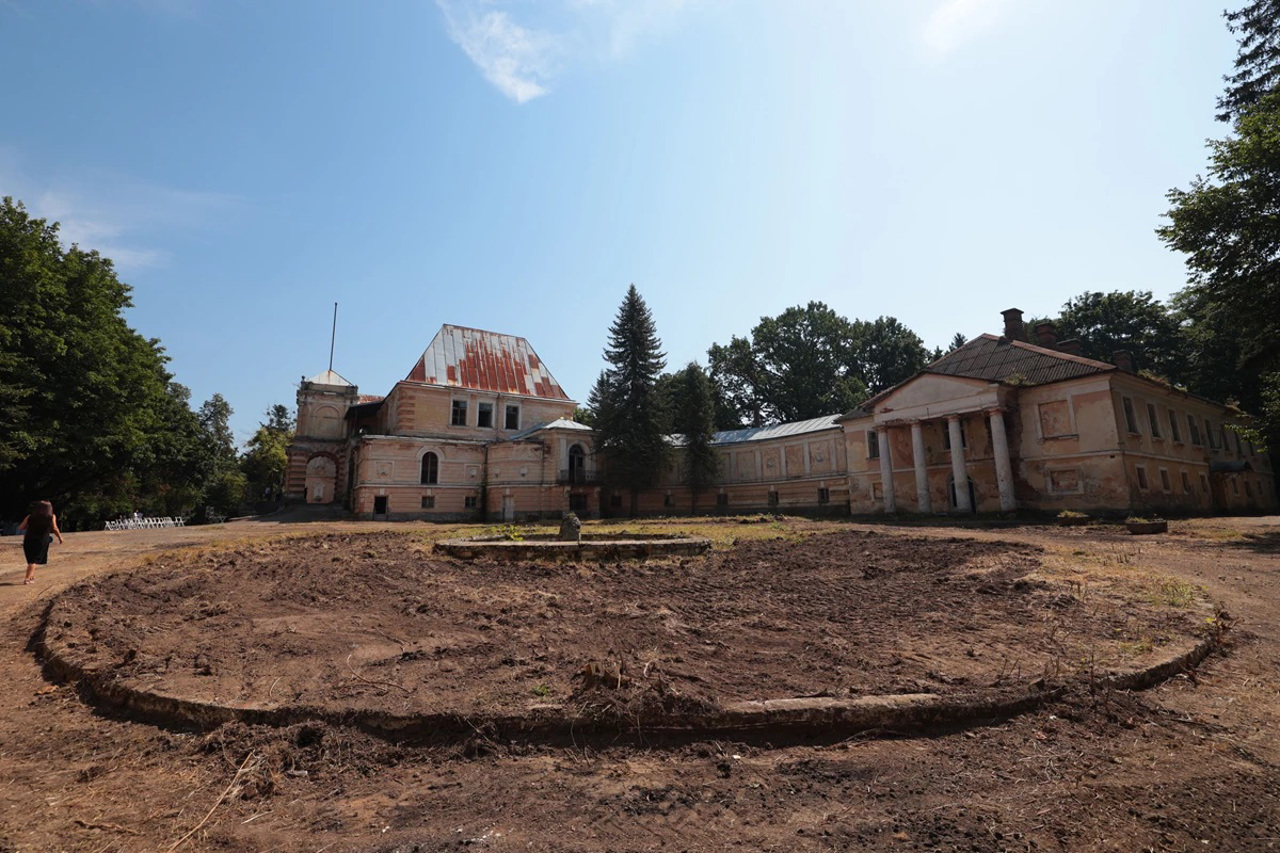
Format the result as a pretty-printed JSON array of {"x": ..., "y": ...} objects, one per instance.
[{"x": 351, "y": 624}]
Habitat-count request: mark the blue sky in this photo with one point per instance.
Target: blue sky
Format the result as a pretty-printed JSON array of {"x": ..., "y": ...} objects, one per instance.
[{"x": 514, "y": 165}]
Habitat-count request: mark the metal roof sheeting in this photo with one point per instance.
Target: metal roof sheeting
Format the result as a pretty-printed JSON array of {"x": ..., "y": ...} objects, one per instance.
[
  {"x": 329, "y": 377},
  {"x": 558, "y": 423},
  {"x": 996, "y": 359},
  {"x": 735, "y": 436},
  {"x": 459, "y": 357}
]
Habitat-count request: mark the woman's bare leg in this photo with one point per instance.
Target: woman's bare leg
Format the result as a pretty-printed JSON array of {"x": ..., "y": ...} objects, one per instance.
[{"x": 31, "y": 573}]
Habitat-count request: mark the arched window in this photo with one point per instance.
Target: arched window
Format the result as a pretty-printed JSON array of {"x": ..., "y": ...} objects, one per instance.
[
  {"x": 430, "y": 468},
  {"x": 577, "y": 464}
]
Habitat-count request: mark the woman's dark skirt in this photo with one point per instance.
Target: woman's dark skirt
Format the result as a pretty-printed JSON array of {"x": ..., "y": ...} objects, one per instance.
[{"x": 37, "y": 549}]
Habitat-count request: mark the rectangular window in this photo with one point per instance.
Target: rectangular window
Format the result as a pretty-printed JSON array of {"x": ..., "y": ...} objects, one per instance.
[
  {"x": 668, "y": 500},
  {"x": 824, "y": 496},
  {"x": 1165, "y": 483},
  {"x": 873, "y": 444},
  {"x": 1209, "y": 434},
  {"x": 470, "y": 502},
  {"x": 1225, "y": 441},
  {"x": 1194, "y": 430},
  {"x": 773, "y": 498},
  {"x": 459, "y": 415},
  {"x": 1142, "y": 478},
  {"x": 1239, "y": 446},
  {"x": 484, "y": 415},
  {"x": 1173, "y": 426},
  {"x": 1155, "y": 421},
  {"x": 1186, "y": 483},
  {"x": 1235, "y": 486},
  {"x": 722, "y": 499},
  {"x": 513, "y": 417},
  {"x": 578, "y": 503},
  {"x": 1248, "y": 489},
  {"x": 1130, "y": 419},
  {"x": 1204, "y": 483},
  {"x": 428, "y": 502}
]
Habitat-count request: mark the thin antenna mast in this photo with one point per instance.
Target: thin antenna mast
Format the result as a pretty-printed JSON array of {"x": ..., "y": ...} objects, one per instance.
[{"x": 334, "y": 336}]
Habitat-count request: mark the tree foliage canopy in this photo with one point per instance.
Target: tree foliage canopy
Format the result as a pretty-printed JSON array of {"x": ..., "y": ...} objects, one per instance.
[
  {"x": 89, "y": 416},
  {"x": 1257, "y": 67},
  {"x": 692, "y": 406},
  {"x": 1130, "y": 320},
  {"x": 630, "y": 419},
  {"x": 810, "y": 361}
]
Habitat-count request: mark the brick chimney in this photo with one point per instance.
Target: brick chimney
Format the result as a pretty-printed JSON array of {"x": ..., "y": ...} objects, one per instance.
[
  {"x": 1046, "y": 335},
  {"x": 1071, "y": 346},
  {"x": 1014, "y": 329},
  {"x": 1123, "y": 359}
]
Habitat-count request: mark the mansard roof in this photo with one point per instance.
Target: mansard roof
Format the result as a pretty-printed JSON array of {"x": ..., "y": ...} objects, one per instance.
[{"x": 476, "y": 360}]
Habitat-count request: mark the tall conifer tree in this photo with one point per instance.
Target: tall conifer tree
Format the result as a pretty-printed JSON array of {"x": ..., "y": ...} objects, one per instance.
[
  {"x": 693, "y": 416},
  {"x": 628, "y": 409}
]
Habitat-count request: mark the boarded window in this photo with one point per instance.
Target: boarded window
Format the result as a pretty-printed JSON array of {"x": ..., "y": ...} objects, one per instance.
[
  {"x": 1130, "y": 419},
  {"x": 1066, "y": 480},
  {"x": 1055, "y": 419},
  {"x": 458, "y": 416},
  {"x": 1155, "y": 421}
]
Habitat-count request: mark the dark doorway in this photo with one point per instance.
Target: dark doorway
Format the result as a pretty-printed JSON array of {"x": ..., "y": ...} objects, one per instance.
[{"x": 380, "y": 505}]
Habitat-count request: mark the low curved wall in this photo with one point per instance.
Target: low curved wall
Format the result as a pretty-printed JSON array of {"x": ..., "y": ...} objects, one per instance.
[{"x": 590, "y": 548}]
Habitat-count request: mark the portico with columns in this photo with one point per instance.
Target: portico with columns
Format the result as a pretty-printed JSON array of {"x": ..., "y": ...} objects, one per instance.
[{"x": 941, "y": 444}]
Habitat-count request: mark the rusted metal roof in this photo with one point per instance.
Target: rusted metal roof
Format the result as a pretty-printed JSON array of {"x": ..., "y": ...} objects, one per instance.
[
  {"x": 459, "y": 357},
  {"x": 996, "y": 359}
]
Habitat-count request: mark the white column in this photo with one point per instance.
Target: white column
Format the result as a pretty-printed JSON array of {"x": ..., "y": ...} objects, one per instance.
[
  {"x": 923, "y": 502},
  {"x": 886, "y": 469},
  {"x": 958, "y": 471},
  {"x": 1004, "y": 467}
]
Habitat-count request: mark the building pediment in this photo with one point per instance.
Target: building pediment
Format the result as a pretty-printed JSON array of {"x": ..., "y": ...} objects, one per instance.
[{"x": 929, "y": 396}]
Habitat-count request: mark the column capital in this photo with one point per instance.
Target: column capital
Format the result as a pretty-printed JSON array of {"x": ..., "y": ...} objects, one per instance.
[
  {"x": 995, "y": 410},
  {"x": 954, "y": 417}
]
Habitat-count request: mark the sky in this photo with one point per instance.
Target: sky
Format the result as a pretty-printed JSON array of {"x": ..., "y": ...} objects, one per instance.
[{"x": 514, "y": 165}]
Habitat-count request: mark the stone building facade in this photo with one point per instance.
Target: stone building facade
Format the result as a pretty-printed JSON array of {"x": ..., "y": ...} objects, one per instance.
[{"x": 479, "y": 429}]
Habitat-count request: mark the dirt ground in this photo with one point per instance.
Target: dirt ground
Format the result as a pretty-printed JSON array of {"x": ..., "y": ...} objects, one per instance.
[{"x": 250, "y": 614}]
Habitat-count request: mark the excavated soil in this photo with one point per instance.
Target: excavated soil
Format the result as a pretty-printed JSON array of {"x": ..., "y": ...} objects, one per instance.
[
  {"x": 1191, "y": 764},
  {"x": 357, "y": 623}
]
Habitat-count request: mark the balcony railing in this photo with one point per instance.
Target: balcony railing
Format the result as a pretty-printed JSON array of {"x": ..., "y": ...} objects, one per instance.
[{"x": 577, "y": 476}]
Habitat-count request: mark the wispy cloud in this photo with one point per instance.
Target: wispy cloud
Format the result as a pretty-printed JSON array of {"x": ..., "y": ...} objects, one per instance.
[
  {"x": 124, "y": 220},
  {"x": 955, "y": 22},
  {"x": 521, "y": 48},
  {"x": 518, "y": 60}
]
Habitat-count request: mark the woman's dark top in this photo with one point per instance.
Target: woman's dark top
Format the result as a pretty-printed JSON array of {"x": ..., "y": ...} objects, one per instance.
[{"x": 38, "y": 527}]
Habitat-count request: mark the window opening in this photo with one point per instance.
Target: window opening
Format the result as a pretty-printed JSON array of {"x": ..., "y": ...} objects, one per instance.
[
  {"x": 459, "y": 415},
  {"x": 484, "y": 415},
  {"x": 1130, "y": 419},
  {"x": 430, "y": 469},
  {"x": 428, "y": 502},
  {"x": 513, "y": 417},
  {"x": 1155, "y": 421}
]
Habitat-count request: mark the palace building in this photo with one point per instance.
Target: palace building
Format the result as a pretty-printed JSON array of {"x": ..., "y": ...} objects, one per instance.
[{"x": 480, "y": 429}]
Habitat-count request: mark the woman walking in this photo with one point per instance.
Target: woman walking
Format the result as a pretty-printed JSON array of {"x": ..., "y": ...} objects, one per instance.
[{"x": 38, "y": 528}]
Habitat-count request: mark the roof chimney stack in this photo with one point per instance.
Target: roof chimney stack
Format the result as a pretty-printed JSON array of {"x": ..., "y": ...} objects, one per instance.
[
  {"x": 1046, "y": 335},
  {"x": 1014, "y": 330},
  {"x": 1123, "y": 359},
  {"x": 1072, "y": 346}
]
